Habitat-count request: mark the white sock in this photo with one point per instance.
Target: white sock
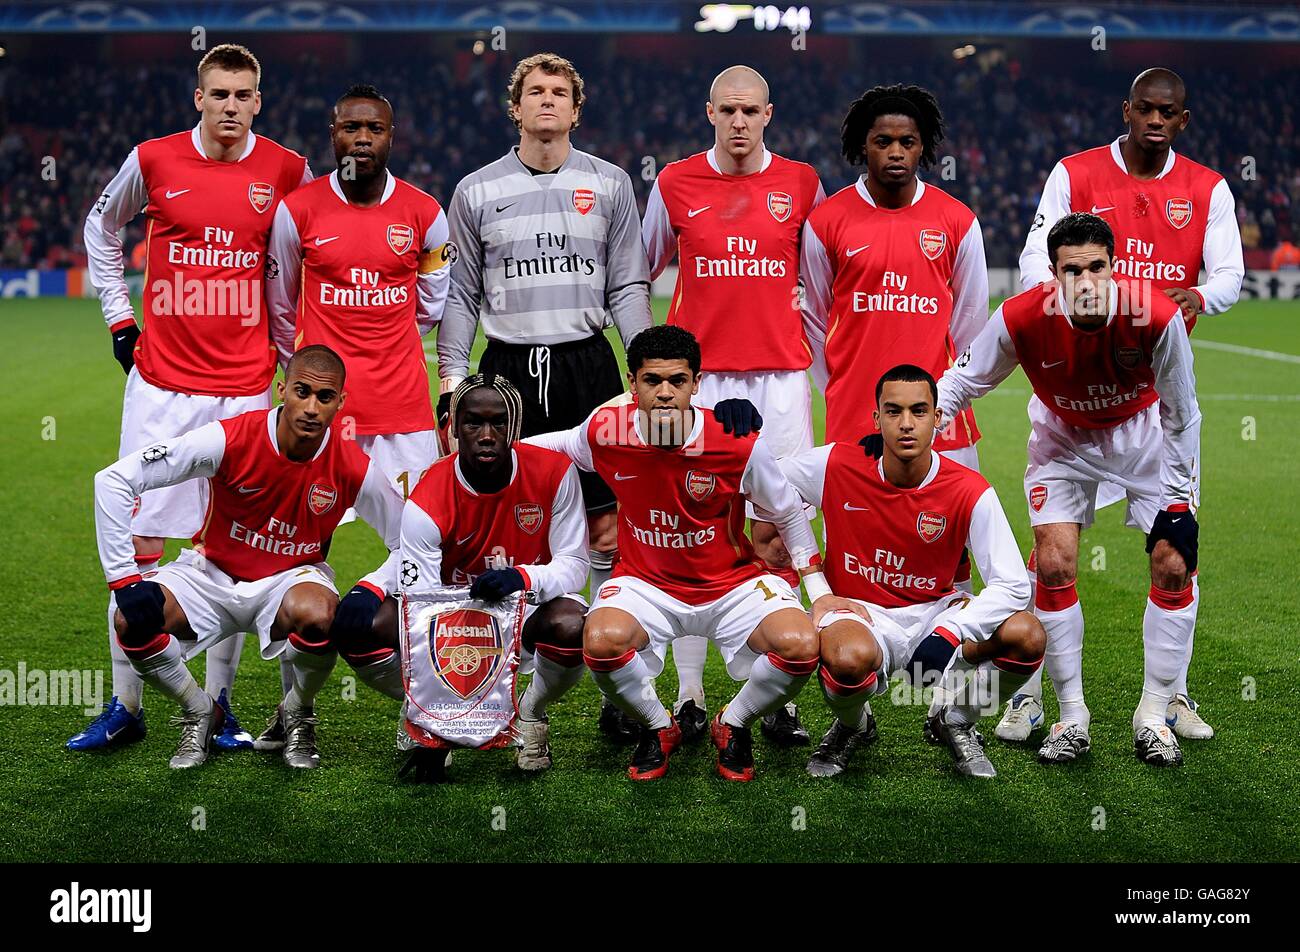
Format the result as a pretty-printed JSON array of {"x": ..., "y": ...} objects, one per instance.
[
  {"x": 551, "y": 681},
  {"x": 310, "y": 672},
  {"x": 1180, "y": 682},
  {"x": 223, "y": 662},
  {"x": 286, "y": 677},
  {"x": 127, "y": 684},
  {"x": 1058, "y": 608},
  {"x": 384, "y": 675},
  {"x": 767, "y": 689},
  {"x": 689, "y": 655},
  {"x": 1033, "y": 685},
  {"x": 995, "y": 682},
  {"x": 165, "y": 671},
  {"x": 1167, "y": 630},
  {"x": 629, "y": 685},
  {"x": 849, "y": 702},
  {"x": 602, "y": 564}
]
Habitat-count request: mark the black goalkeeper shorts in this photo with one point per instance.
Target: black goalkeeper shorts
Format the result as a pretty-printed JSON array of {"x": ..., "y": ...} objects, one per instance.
[{"x": 560, "y": 384}]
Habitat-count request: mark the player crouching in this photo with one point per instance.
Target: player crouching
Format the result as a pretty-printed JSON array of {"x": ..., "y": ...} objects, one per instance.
[
  {"x": 503, "y": 517},
  {"x": 895, "y": 530},
  {"x": 280, "y": 480}
]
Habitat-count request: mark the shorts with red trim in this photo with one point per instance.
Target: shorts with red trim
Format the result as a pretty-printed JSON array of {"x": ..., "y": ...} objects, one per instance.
[
  {"x": 899, "y": 630},
  {"x": 217, "y": 606},
  {"x": 727, "y": 621}
]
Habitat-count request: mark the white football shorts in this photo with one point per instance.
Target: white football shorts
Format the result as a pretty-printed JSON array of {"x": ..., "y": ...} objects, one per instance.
[{"x": 899, "y": 630}]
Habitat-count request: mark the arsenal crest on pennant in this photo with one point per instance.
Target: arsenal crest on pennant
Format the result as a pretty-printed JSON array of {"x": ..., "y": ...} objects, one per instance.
[
  {"x": 466, "y": 649},
  {"x": 529, "y": 517},
  {"x": 930, "y": 525},
  {"x": 1037, "y": 496},
  {"x": 584, "y": 200},
  {"x": 260, "y": 195},
  {"x": 700, "y": 485},
  {"x": 1179, "y": 212},
  {"x": 400, "y": 238},
  {"x": 321, "y": 498},
  {"x": 933, "y": 242},
  {"x": 780, "y": 204}
]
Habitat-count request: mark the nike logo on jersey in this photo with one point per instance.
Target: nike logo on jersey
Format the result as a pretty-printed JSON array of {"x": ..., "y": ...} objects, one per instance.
[
  {"x": 849, "y": 507},
  {"x": 464, "y": 540},
  {"x": 1098, "y": 211},
  {"x": 180, "y": 191},
  {"x": 691, "y": 213},
  {"x": 1055, "y": 363},
  {"x": 245, "y": 490},
  {"x": 326, "y": 241},
  {"x": 620, "y": 477},
  {"x": 501, "y": 208},
  {"x": 852, "y": 251}
]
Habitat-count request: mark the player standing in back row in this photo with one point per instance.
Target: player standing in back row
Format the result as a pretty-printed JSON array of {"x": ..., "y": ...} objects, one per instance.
[
  {"x": 733, "y": 215},
  {"x": 210, "y": 195},
  {"x": 549, "y": 251},
  {"x": 1169, "y": 216}
]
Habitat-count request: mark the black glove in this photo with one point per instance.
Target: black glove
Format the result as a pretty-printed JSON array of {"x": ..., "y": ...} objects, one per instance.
[
  {"x": 444, "y": 410},
  {"x": 738, "y": 416},
  {"x": 873, "y": 444},
  {"x": 141, "y": 604},
  {"x": 124, "y": 345},
  {"x": 495, "y": 584},
  {"x": 1180, "y": 530},
  {"x": 354, "y": 615},
  {"x": 933, "y": 655}
]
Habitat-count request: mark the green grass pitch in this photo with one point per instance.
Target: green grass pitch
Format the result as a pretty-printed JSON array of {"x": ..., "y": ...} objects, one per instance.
[{"x": 1234, "y": 799}]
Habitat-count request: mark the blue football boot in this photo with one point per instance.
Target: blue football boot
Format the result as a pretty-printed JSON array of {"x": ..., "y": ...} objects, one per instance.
[
  {"x": 232, "y": 736},
  {"x": 116, "y": 727}
]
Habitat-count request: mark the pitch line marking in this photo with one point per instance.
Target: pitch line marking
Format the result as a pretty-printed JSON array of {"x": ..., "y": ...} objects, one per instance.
[{"x": 1247, "y": 351}]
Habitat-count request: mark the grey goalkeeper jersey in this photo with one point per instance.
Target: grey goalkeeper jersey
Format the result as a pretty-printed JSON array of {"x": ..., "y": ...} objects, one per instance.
[{"x": 543, "y": 259}]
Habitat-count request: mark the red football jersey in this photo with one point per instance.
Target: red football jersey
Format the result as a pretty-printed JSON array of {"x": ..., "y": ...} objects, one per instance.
[
  {"x": 737, "y": 242},
  {"x": 477, "y": 529},
  {"x": 359, "y": 294},
  {"x": 1091, "y": 379},
  {"x": 205, "y": 323},
  {"x": 892, "y": 546},
  {"x": 1159, "y": 224},
  {"x": 891, "y": 301},
  {"x": 267, "y": 513},
  {"x": 681, "y": 517}
]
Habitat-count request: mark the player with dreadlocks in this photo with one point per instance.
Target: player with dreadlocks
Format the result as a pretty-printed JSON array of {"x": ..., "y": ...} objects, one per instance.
[
  {"x": 501, "y": 517},
  {"x": 894, "y": 273}
]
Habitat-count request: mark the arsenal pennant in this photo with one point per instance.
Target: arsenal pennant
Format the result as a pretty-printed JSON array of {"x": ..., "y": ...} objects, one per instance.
[
  {"x": 400, "y": 238},
  {"x": 260, "y": 195},
  {"x": 932, "y": 242}
]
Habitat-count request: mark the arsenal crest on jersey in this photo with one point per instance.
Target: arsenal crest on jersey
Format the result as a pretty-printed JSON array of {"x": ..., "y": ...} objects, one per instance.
[
  {"x": 1037, "y": 496},
  {"x": 930, "y": 525},
  {"x": 780, "y": 204},
  {"x": 400, "y": 238},
  {"x": 933, "y": 241},
  {"x": 700, "y": 486},
  {"x": 1179, "y": 212},
  {"x": 466, "y": 649},
  {"x": 321, "y": 498},
  {"x": 529, "y": 517},
  {"x": 260, "y": 195},
  {"x": 1128, "y": 357},
  {"x": 584, "y": 200}
]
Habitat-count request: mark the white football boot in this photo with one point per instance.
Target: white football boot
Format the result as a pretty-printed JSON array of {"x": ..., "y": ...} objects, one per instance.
[
  {"x": 1155, "y": 744},
  {"x": 1023, "y": 716},
  {"x": 1185, "y": 720},
  {"x": 1064, "y": 743},
  {"x": 534, "y": 745}
]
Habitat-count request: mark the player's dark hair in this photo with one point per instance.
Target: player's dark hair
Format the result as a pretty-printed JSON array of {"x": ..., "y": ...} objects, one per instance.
[
  {"x": 362, "y": 91},
  {"x": 1080, "y": 228},
  {"x": 1159, "y": 75},
  {"x": 319, "y": 358},
  {"x": 663, "y": 342},
  {"x": 907, "y": 373},
  {"x": 508, "y": 392},
  {"x": 896, "y": 100}
]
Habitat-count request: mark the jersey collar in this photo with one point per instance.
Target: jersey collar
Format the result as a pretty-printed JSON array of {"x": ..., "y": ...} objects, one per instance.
[
  {"x": 197, "y": 139},
  {"x": 273, "y": 417},
  {"x": 929, "y": 477},
  {"x": 696, "y": 428},
  {"x": 712, "y": 157},
  {"x": 1118, "y": 156},
  {"x": 861, "y": 186},
  {"x": 514, "y": 471},
  {"x": 390, "y": 186},
  {"x": 1114, "y": 304}
]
